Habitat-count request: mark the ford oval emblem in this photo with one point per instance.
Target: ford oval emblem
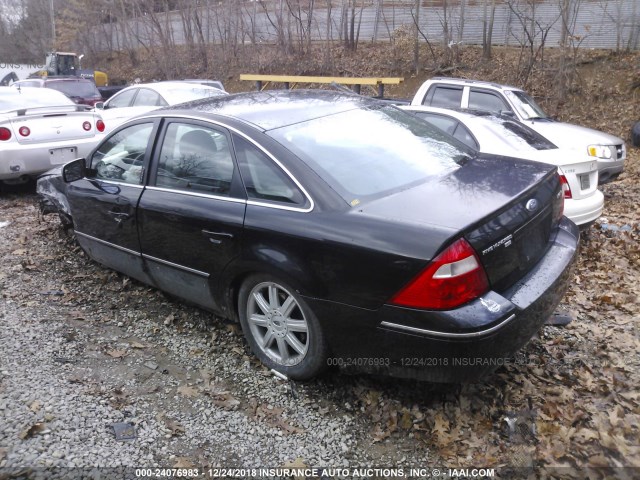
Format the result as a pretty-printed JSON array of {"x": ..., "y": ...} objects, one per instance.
[{"x": 532, "y": 205}]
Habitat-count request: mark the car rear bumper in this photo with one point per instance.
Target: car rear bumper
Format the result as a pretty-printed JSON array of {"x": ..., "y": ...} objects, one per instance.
[
  {"x": 585, "y": 210},
  {"x": 19, "y": 161},
  {"x": 455, "y": 346}
]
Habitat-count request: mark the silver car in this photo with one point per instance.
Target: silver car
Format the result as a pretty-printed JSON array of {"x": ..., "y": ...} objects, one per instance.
[
  {"x": 144, "y": 97},
  {"x": 41, "y": 128}
]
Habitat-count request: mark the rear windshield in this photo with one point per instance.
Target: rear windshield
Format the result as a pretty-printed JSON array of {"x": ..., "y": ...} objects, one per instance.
[
  {"x": 29, "y": 97},
  {"x": 75, "y": 89},
  {"x": 368, "y": 153},
  {"x": 181, "y": 95}
]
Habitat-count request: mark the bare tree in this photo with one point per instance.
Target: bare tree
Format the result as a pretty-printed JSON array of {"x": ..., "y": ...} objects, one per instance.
[
  {"x": 533, "y": 39},
  {"x": 487, "y": 28}
]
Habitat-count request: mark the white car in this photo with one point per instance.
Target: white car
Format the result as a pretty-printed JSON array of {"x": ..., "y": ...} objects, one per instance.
[
  {"x": 41, "y": 128},
  {"x": 501, "y": 135},
  {"x": 144, "y": 97},
  {"x": 608, "y": 150}
]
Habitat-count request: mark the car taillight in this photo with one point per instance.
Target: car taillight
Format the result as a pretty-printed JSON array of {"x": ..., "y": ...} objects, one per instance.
[
  {"x": 565, "y": 187},
  {"x": 452, "y": 279},
  {"x": 100, "y": 125},
  {"x": 558, "y": 204},
  {"x": 5, "y": 134},
  {"x": 86, "y": 126},
  {"x": 24, "y": 131}
]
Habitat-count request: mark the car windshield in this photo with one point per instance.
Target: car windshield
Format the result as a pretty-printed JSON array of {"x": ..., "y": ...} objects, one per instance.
[
  {"x": 526, "y": 106},
  {"x": 521, "y": 137},
  {"x": 75, "y": 89},
  {"x": 371, "y": 152},
  {"x": 16, "y": 99},
  {"x": 181, "y": 95}
]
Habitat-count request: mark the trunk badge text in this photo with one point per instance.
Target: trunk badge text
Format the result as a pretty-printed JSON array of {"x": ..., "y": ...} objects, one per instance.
[{"x": 506, "y": 241}]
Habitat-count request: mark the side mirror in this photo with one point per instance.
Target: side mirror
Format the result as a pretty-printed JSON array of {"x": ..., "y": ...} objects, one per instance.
[
  {"x": 99, "y": 105},
  {"x": 74, "y": 170}
]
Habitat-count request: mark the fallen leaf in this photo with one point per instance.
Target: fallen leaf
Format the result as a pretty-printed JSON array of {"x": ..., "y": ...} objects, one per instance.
[
  {"x": 35, "y": 406},
  {"x": 172, "y": 425},
  {"x": 117, "y": 353},
  {"x": 32, "y": 430},
  {"x": 188, "y": 391},
  {"x": 183, "y": 462}
]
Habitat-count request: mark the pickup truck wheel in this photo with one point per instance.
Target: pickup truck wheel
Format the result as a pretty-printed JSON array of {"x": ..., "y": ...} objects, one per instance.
[{"x": 280, "y": 328}]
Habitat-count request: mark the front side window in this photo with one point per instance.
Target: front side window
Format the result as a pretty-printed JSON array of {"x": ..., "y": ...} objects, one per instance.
[
  {"x": 195, "y": 158},
  {"x": 121, "y": 157},
  {"x": 263, "y": 179},
  {"x": 483, "y": 100}
]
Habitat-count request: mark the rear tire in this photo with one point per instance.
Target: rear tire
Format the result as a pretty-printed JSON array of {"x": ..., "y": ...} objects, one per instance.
[
  {"x": 635, "y": 135},
  {"x": 280, "y": 328}
]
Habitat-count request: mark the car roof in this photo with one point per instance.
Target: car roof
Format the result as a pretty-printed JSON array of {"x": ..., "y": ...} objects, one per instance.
[
  {"x": 271, "y": 109},
  {"x": 168, "y": 85}
]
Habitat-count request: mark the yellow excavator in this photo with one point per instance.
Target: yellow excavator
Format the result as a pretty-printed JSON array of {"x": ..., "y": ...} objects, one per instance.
[{"x": 68, "y": 63}]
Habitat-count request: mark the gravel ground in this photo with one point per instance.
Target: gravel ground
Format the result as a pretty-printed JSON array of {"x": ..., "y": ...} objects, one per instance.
[{"x": 84, "y": 349}]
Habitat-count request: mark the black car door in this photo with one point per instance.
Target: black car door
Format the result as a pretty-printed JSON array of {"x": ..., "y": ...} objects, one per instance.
[
  {"x": 191, "y": 215},
  {"x": 103, "y": 204}
]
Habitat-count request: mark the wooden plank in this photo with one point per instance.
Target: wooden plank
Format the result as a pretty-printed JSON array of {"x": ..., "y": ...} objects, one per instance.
[{"x": 310, "y": 79}]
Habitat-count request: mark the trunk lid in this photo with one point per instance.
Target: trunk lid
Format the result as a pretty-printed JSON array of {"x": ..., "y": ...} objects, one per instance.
[
  {"x": 505, "y": 208},
  {"x": 46, "y": 126}
]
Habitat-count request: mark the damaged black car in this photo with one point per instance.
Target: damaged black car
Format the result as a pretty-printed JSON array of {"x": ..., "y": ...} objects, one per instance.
[{"x": 338, "y": 230}]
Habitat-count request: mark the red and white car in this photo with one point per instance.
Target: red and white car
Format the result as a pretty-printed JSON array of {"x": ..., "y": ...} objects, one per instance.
[{"x": 41, "y": 128}]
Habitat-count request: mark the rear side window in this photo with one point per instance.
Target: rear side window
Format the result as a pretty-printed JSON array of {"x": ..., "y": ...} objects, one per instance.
[
  {"x": 263, "y": 179},
  {"x": 483, "y": 100},
  {"x": 446, "y": 124},
  {"x": 122, "y": 99},
  {"x": 195, "y": 158},
  {"x": 444, "y": 96},
  {"x": 147, "y": 97}
]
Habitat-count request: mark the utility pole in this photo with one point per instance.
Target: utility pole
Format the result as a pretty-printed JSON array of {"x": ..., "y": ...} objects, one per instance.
[{"x": 53, "y": 27}]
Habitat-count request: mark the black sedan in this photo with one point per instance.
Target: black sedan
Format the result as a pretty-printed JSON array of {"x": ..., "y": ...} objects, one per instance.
[{"x": 338, "y": 230}]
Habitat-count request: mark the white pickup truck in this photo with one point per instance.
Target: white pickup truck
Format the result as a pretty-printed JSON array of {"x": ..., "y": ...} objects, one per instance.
[{"x": 456, "y": 93}]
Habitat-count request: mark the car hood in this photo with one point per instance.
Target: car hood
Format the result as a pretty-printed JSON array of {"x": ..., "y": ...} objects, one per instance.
[
  {"x": 464, "y": 197},
  {"x": 572, "y": 136}
]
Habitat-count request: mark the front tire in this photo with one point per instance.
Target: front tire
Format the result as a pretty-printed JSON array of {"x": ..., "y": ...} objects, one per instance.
[{"x": 280, "y": 328}]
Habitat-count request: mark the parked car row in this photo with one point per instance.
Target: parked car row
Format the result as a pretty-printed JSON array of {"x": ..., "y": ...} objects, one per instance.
[
  {"x": 503, "y": 135},
  {"x": 336, "y": 229}
]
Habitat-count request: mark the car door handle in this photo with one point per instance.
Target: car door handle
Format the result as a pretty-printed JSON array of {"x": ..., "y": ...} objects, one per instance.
[
  {"x": 119, "y": 217},
  {"x": 216, "y": 237}
]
